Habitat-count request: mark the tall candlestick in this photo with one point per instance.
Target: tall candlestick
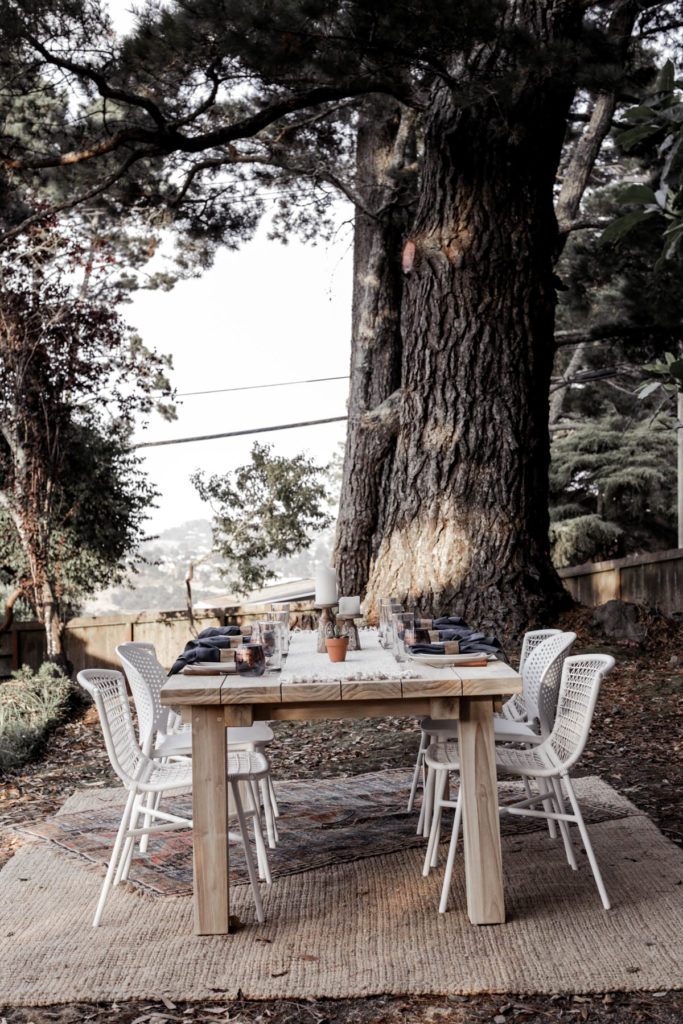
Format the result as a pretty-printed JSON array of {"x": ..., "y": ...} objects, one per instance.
[{"x": 325, "y": 585}]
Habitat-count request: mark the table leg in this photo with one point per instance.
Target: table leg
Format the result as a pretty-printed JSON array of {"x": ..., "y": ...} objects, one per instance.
[
  {"x": 481, "y": 825},
  {"x": 210, "y": 821}
]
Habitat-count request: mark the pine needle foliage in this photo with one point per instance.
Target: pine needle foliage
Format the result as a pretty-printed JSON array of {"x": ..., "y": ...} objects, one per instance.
[{"x": 612, "y": 490}]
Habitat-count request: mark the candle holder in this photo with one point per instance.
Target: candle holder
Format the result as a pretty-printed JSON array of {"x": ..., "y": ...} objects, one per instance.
[
  {"x": 348, "y": 628},
  {"x": 326, "y": 625}
]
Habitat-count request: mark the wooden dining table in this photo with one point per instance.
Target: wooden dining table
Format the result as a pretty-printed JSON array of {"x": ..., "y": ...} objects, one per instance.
[{"x": 212, "y": 702}]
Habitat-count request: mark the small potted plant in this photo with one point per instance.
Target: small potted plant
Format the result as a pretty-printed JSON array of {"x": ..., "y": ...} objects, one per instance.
[{"x": 337, "y": 645}]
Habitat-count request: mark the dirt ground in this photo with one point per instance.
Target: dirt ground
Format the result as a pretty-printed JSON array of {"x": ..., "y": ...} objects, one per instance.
[{"x": 635, "y": 745}]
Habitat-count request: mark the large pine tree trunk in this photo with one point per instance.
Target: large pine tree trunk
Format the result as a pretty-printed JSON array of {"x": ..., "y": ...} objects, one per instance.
[
  {"x": 386, "y": 180},
  {"x": 465, "y": 521}
]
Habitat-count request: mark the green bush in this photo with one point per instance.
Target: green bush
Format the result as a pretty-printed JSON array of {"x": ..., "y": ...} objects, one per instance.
[{"x": 31, "y": 704}]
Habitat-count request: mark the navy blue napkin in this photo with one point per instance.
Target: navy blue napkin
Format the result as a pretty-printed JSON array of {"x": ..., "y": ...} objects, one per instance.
[
  {"x": 219, "y": 631},
  {"x": 207, "y": 647}
]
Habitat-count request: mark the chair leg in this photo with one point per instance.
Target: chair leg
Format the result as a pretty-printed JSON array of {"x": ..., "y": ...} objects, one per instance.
[
  {"x": 543, "y": 788},
  {"x": 254, "y": 810},
  {"x": 416, "y": 774},
  {"x": 129, "y": 846},
  {"x": 427, "y": 800},
  {"x": 273, "y": 797},
  {"x": 271, "y": 828},
  {"x": 123, "y": 828},
  {"x": 587, "y": 844},
  {"x": 255, "y": 797},
  {"x": 431, "y": 856},
  {"x": 152, "y": 802},
  {"x": 448, "y": 874},
  {"x": 564, "y": 827},
  {"x": 247, "y": 852}
]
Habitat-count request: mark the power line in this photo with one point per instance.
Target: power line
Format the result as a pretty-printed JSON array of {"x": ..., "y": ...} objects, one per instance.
[
  {"x": 254, "y": 387},
  {"x": 240, "y": 433}
]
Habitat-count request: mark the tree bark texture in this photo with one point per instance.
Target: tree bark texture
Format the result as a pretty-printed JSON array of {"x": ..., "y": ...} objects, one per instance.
[
  {"x": 464, "y": 518},
  {"x": 386, "y": 181}
]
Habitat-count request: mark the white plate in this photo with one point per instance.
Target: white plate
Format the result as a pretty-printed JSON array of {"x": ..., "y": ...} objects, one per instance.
[{"x": 437, "y": 660}]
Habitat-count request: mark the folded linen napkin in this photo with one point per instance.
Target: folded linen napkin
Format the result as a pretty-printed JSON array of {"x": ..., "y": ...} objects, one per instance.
[
  {"x": 207, "y": 647},
  {"x": 454, "y": 628},
  {"x": 219, "y": 631}
]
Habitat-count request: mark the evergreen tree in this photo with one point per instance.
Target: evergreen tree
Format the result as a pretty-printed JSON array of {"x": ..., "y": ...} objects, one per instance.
[
  {"x": 612, "y": 490},
  {"x": 460, "y": 516}
]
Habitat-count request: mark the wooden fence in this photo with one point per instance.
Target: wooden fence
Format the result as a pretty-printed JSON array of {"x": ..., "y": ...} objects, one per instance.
[
  {"x": 655, "y": 579},
  {"x": 92, "y": 642}
]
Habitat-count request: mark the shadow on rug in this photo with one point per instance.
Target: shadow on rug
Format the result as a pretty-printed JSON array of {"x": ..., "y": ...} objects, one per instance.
[{"x": 330, "y": 821}]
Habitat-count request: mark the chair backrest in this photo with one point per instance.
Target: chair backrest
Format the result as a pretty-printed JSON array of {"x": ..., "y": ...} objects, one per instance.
[
  {"x": 515, "y": 707},
  {"x": 531, "y": 641},
  {"x": 541, "y": 679},
  {"x": 108, "y": 689},
  {"x": 145, "y": 677},
  {"x": 582, "y": 677}
]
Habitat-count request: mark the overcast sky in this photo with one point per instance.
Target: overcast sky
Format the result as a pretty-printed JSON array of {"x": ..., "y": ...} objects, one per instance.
[{"x": 265, "y": 314}]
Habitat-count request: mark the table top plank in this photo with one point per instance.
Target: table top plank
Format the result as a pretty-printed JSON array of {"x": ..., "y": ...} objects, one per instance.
[
  {"x": 370, "y": 689},
  {"x": 494, "y": 679},
  {"x": 264, "y": 689},
  {"x": 448, "y": 686},
  {"x": 192, "y": 689},
  {"x": 296, "y": 692}
]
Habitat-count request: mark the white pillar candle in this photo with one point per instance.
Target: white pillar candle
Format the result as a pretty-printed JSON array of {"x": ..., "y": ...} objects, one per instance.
[
  {"x": 325, "y": 585},
  {"x": 349, "y": 606}
]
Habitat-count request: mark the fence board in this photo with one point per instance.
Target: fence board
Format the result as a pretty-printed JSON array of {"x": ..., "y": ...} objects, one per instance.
[{"x": 655, "y": 579}]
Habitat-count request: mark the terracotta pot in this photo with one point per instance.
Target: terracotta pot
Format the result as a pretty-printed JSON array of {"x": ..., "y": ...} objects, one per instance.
[{"x": 336, "y": 648}]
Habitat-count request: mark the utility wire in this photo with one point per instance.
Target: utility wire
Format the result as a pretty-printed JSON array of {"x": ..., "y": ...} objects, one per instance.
[
  {"x": 254, "y": 387},
  {"x": 240, "y": 433}
]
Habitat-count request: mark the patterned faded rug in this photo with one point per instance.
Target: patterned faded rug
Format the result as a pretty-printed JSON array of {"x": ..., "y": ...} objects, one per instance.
[{"x": 331, "y": 821}]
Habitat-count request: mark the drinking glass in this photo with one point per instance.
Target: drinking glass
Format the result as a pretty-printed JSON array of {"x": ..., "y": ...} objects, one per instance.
[
  {"x": 268, "y": 633},
  {"x": 387, "y": 606},
  {"x": 250, "y": 660},
  {"x": 401, "y": 623},
  {"x": 416, "y": 635},
  {"x": 280, "y": 614}
]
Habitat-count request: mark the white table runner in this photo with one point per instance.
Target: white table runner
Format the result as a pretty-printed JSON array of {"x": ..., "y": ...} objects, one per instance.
[{"x": 305, "y": 665}]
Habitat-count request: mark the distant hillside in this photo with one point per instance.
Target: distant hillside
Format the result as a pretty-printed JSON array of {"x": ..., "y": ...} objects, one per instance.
[{"x": 160, "y": 585}]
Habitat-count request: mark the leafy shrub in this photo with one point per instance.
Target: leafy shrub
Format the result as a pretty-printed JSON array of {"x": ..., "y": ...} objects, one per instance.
[{"x": 31, "y": 704}]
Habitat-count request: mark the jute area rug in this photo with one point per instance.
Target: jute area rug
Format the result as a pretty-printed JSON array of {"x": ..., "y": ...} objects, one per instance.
[{"x": 358, "y": 928}]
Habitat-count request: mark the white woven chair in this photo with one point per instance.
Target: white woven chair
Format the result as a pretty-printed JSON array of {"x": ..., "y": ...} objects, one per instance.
[
  {"x": 550, "y": 760},
  {"x": 143, "y": 775},
  {"x": 541, "y": 673},
  {"x": 162, "y": 733},
  {"x": 514, "y": 710}
]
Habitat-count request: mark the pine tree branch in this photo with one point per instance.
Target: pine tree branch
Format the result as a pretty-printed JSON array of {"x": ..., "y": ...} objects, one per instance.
[
  {"x": 212, "y": 74},
  {"x": 169, "y": 140},
  {"x": 82, "y": 197},
  {"x": 585, "y": 376},
  {"x": 603, "y": 332},
  {"x": 99, "y": 80}
]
